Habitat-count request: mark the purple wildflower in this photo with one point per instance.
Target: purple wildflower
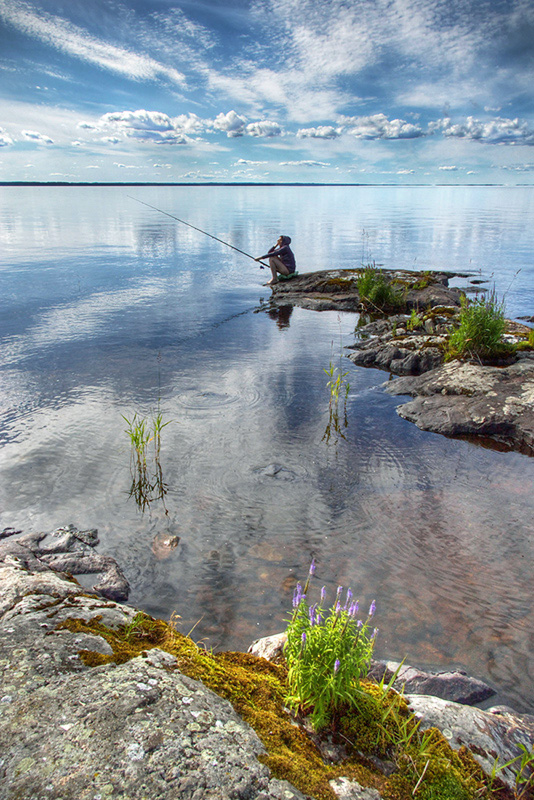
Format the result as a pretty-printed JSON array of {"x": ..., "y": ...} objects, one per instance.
[
  {"x": 349, "y": 598},
  {"x": 359, "y": 623},
  {"x": 372, "y": 608},
  {"x": 373, "y": 635},
  {"x": 318, "y": 618},
  {"x": 311, "y": 614},
  {"x": 337, "y": 665},
  {"x": 354, "y": 608},
  {"x": 303, "y": 638},
  {"x": 297, "y": 595},
  {"x": 312, "y": 567},
  {"x": 338, "y": 593},
  {"x": 337, "y": 608},
  {"x": 323, "y": 594}
]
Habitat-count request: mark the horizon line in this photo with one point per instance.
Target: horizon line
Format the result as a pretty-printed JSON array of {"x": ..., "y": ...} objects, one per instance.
[{"x": 247, "y": 183}]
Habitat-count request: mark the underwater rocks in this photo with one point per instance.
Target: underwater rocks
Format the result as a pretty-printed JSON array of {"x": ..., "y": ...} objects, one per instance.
[
  {"x": 460, "y": 399},
  {"x": 66, "y": 550},
  {"x": 337, "y": 289},
  {"x": 136, "y": 730}
]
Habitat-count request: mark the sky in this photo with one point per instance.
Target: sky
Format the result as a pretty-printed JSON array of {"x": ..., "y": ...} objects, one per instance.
[{"x": 276, "y": 91}]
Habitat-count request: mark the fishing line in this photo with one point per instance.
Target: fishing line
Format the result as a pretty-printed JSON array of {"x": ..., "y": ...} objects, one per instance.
[{"x": 262, "y": 265}]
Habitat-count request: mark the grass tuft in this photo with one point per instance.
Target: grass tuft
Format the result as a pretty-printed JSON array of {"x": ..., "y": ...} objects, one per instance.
[
  {"x": 376, "y": 293},
  {"x": 480, "y": 332}
]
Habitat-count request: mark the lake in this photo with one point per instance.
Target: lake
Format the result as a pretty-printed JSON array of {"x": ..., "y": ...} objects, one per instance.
[{"x": 110, "y": 309}]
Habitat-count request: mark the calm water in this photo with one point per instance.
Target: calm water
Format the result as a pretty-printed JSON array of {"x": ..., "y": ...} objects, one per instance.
[{"x": 107, "y": 306}]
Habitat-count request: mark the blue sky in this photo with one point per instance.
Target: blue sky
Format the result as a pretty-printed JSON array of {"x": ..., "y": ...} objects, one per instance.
[{"x": 363, "y": 91}]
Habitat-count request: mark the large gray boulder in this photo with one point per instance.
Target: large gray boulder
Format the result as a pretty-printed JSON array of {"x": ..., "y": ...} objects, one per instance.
[{"x": 138, "y": 730}]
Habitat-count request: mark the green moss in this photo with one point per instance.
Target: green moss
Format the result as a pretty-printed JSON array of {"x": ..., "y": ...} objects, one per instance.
[{"x": 257, "y": 688}]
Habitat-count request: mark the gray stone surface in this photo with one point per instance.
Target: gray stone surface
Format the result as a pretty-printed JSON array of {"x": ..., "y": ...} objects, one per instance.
[
  {"x": 347, "y": 789},
  {"x": 336, "y": 289},
  {"x": 461, "y": 399},
  {"x": 138, "y": 730},
  {"x": 66, "y": 550},
  {"x": 487, "y": 735},
  {"x": 454, "y": 685},
  {"x": 269, "y": 647}
]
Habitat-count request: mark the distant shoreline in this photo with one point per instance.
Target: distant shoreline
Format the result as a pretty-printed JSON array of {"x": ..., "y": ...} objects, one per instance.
[{"x": 230, "y": 183}]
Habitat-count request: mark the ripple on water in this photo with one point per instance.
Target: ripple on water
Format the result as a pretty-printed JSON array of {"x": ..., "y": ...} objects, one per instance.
[{"x": 206, "y": 402}]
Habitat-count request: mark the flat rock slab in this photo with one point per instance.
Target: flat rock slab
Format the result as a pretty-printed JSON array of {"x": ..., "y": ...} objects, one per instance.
[
  {"x": 337, "y": 290},
  {"x": 460, "y": 399},
  {"x": 138, "y": 730}
]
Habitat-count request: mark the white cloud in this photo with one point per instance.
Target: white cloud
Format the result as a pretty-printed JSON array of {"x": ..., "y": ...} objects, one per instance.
[
  {"x": 87, "y": 126},
  {"x": 188, "y": 124},
  {"x": 235, "y": 125},
  {"x": 303, "y": 163},
  {"x": 321, "y": 132},
  {"x": 148, "y": 126},
  {"x": 126, "y": 166},
  {"x": 231, "y": 123},
  {"x": 405, "y": 172},
  {"x": 35, "y": 136},
  {"x": 247, "y": 162},
  {"x": 5, "y": 138},
  {"x": 378, "y": 126},
  {"x": 447, "y": 168},
  {"x": 518, "y": 167},
  {"x": 495, "y": 131},
  {"x": 68, "y": 38},
  {"x": 264, "y": 127}
]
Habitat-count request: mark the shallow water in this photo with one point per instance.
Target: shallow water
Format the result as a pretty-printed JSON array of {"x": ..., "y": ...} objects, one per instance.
[{"x": 107, "y": 307}]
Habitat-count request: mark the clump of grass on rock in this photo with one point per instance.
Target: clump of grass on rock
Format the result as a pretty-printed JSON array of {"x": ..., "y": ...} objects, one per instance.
[
  {"x": 480, "y": 332},
  {"x": 376, "y": 293}
]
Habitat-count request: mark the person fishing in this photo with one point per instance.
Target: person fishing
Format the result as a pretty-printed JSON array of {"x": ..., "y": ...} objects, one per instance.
[{"x": 281, "y": 259}]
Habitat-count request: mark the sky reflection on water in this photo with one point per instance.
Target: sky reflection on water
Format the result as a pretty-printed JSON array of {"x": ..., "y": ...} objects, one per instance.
[{"x": 107, "y": 306}]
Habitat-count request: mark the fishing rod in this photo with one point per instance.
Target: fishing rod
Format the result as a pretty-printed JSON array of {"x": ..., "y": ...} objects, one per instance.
[{"x": 261, "y": 263}]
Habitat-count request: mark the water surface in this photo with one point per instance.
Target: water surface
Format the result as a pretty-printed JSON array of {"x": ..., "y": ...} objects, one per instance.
[{"x": 109, "y": 308}]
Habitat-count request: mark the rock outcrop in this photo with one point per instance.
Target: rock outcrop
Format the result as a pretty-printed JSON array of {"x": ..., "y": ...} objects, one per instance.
[
  {"x": 135, "y": 730},
  {"x": 67, "y": 550},
  {"x": 445, "y": 700},
  {"x": 460, "y": 399},
  {"x": 337, "y": 289}
]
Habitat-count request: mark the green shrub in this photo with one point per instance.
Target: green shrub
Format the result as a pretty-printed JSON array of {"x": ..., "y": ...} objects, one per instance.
[
  {"x": 376, "y": 294},
  {"x": 481, "y": 329}
]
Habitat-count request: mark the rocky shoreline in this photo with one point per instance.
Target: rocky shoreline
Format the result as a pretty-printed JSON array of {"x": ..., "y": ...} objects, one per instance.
[
  {"x": 78, "y": 720},
  {"x": 493, "y": 402}
]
